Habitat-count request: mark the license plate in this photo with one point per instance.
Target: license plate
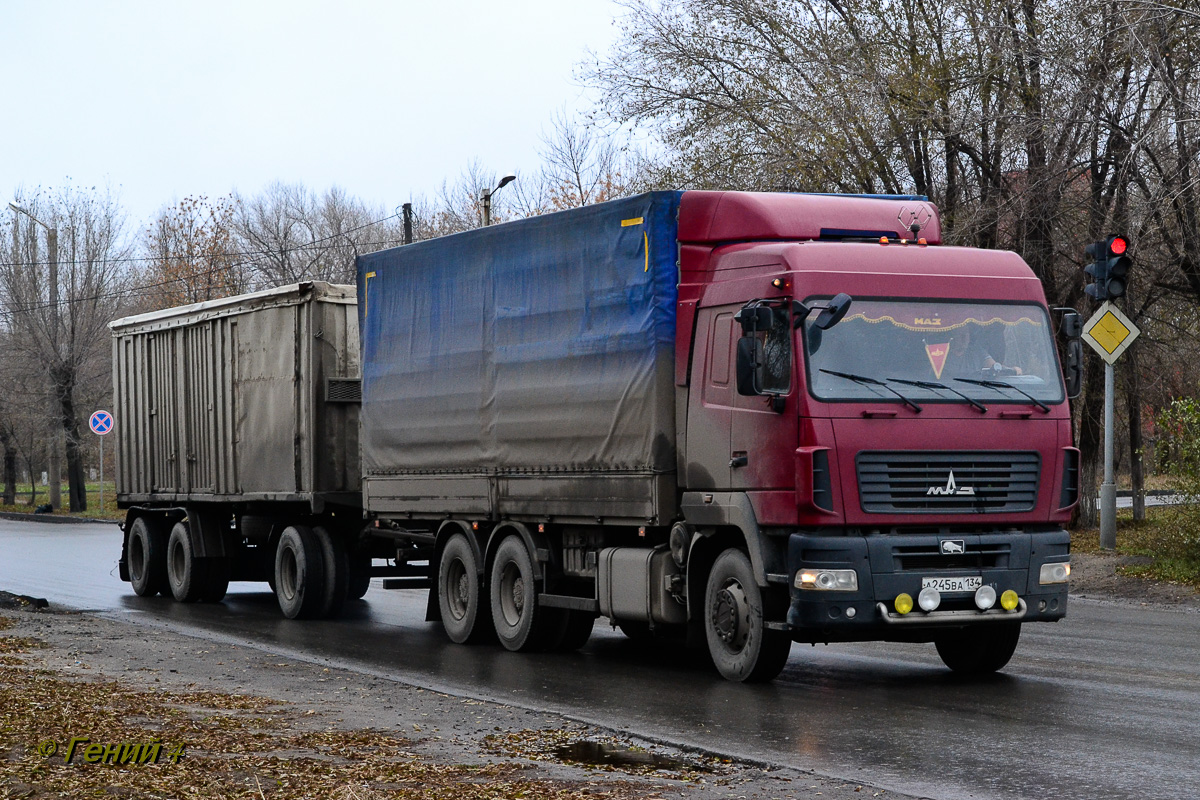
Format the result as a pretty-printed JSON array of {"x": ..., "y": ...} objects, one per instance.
[{"x": 964, "y": 583}]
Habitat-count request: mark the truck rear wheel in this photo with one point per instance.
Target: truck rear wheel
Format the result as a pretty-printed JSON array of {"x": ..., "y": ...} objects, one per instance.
[
  {"x": 360, "y": 577},
  {"x": 520, "y": 622},
  {"x": 576, "y": 630},
  {"x": 299, "y": 573},
  {"x": 979, "y": 650},
  {"x": 741, "y": 646},
  {"x": 337, "y": 572},
  {"x": 187, "y": 575},
  {"x": 146, "y": 556},
  {"x": 460, "y": 592}
]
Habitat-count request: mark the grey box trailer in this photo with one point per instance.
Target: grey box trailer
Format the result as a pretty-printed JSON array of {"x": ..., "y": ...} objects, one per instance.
[
  {"x": 242, "y": 399},
  {"x": 237, "y": 447}
]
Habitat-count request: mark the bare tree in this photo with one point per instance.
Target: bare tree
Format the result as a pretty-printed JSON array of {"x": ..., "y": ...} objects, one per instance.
[
  {"x": 189, "y": 253},
  {"x": 288, "y": 234},
  {"x": 69, "y": 340}
]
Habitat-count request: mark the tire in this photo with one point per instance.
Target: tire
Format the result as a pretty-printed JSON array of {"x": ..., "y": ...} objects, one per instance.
[
  {"x": 741, "y": 647},
  {"x": 521, "y": 624},
  {"x": 146, "y": 556},
  {"x": 360, "y": 577},
  {"x": 337, "y": 573},
  {"x": 575, "y": 631},
  {"x": 980, "y": 650},
  {"x": 187, "y": 575},
  {"x": 216, "y": 581},
  {"x": 460, "y": 593},
  {"x": 299, "y": 573}
]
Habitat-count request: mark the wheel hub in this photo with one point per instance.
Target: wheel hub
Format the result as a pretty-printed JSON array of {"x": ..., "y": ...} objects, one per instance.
[
  {"x": 731, "y": 615},
  {"x": 518, "y": 591}
]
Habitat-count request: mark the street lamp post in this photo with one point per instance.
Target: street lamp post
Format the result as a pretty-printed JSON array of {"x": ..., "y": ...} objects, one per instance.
[
  {"x": 54, "y": 467},
  {"x": 487, "y": 197}
]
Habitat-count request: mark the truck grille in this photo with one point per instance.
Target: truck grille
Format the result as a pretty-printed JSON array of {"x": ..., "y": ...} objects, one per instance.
[{"x": 930, "y": 482}]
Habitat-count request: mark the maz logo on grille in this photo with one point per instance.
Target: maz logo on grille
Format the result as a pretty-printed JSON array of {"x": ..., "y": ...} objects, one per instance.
[{"x": 951, "y": 488}]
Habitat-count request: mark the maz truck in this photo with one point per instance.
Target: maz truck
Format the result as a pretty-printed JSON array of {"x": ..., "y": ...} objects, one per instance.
[{"x": 738, "y": 420}]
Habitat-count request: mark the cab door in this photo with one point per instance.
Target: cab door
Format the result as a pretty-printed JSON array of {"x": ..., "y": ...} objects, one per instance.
[{"x": 764, "y": 429}]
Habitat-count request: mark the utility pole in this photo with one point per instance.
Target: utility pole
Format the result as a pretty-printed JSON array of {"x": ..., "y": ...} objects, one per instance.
[
  {"x": 54, "y": 457},
  {"x": 408, "y": 223}
]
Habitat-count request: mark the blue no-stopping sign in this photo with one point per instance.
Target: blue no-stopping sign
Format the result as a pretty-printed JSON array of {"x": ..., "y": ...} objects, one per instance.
[{"x": 101, "y": 423}]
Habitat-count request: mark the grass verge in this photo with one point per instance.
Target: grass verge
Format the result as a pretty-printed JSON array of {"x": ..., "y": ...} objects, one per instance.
[
  {"x": 1169, "y": 537},
  {"x": 62, "y": 737}
]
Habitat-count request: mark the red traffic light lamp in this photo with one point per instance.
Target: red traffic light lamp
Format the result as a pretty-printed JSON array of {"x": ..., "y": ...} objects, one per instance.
[{"x": 1109, "y": 268}]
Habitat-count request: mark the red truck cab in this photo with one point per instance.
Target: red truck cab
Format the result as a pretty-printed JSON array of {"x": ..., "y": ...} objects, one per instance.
[{"x": 908, "y": 471}]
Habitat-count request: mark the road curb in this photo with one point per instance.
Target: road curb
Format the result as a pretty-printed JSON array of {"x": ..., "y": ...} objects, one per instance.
[{"x": 52, "y": 518}]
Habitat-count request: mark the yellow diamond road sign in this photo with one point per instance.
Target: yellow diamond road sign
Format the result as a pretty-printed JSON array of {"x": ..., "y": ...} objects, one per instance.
[{"x": 1109, "y": 332}]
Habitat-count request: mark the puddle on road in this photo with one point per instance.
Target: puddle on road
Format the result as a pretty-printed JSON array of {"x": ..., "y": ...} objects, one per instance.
[{"x": 599, "y": 753}]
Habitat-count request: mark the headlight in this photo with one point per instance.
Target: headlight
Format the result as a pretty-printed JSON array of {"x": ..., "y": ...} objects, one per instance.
[
  {"x": 828, "y": 580},
  {"x": 1055, "y": 573}
]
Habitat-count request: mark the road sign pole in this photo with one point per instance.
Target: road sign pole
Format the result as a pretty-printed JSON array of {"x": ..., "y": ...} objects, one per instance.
[
  {"x": 101, "y": 474},
  {"x": 1108, "y": 489}
]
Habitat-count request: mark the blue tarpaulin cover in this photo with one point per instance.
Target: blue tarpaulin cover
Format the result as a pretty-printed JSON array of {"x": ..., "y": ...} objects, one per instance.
[{"x": 542, "y": 345}]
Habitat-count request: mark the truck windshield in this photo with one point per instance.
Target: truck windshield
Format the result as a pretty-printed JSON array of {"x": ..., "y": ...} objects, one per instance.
[{"x": 931, "y": 342}]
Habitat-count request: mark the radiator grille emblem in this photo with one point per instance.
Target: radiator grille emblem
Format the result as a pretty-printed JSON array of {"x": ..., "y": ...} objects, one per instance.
[
  {"x": 950, "y": 489},
  {"x": 953, "y": 547}
]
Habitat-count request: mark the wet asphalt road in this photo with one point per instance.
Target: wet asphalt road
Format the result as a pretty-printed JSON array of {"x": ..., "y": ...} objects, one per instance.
[{"x": 1103, "y": 705}]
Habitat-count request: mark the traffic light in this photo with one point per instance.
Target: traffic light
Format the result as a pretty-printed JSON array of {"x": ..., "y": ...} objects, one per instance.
[{"x": 1109, "y": 268}]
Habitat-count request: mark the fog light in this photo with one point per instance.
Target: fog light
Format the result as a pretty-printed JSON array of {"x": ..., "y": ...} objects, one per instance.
[
  {"x": 1008, "y": 600},
  {"x": 903, "y": 603},
  {"x": 828, "y": 580},
  {"x": 1055, "y": 573},
  {"x": 985, "y": 598},
  {"x": 929, "y": 599}
]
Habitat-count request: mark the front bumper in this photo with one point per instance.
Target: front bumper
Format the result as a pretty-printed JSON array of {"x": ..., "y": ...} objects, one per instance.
[{"x": 889, "y": 564}]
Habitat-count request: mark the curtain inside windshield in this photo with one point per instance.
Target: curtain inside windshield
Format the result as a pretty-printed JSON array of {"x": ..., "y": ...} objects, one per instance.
[{"x": 935, "y": 342}]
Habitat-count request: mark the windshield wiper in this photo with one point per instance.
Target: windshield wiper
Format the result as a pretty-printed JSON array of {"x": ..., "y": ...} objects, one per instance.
[
  {"x": 936, "y": 385},
  {"x": 863, "y": 379},
  {"x": 1002, "y": 385}
]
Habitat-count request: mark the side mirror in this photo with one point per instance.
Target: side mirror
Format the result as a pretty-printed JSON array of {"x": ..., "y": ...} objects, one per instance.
[
  {"x": 757, "y": 318},
  {"x": 1072, "y": 325},
  {"x": 749, "y": 366},
  {"x": 1074, "y": 368},
  {"x": 833, "y": 313}
]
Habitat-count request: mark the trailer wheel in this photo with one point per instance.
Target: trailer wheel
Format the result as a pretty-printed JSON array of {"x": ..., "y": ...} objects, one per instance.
[
  {"x": 216, "y": 580},
  {"x": 981, "y": 650},
  {"x": 146, "y": 554},
  {"x": 337, "y": 572},
  {"x": 742, "y": 648},
  {"x": 460, "y": 593},
  {"x": 520, "y": 622},
  {"x": 299, "y": 573},
  {"x": 187, "y": 575}
]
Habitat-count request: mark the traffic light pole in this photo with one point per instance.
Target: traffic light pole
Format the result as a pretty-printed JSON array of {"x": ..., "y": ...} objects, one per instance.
[{"x": 1108, "y": 489}]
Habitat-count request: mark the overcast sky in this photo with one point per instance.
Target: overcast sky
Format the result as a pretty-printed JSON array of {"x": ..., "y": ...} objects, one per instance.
[{"x": 171, "y": 98}]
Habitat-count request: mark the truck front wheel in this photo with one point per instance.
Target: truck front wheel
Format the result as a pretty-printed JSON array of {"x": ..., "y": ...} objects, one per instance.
[
  {"x": 979, "y": 650},
  {"x": 299, "y": 573},
  {"x": 146, "y": 552},
  {"x": 742, "y": 648},
  {"x": 520, "y": 622}
]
